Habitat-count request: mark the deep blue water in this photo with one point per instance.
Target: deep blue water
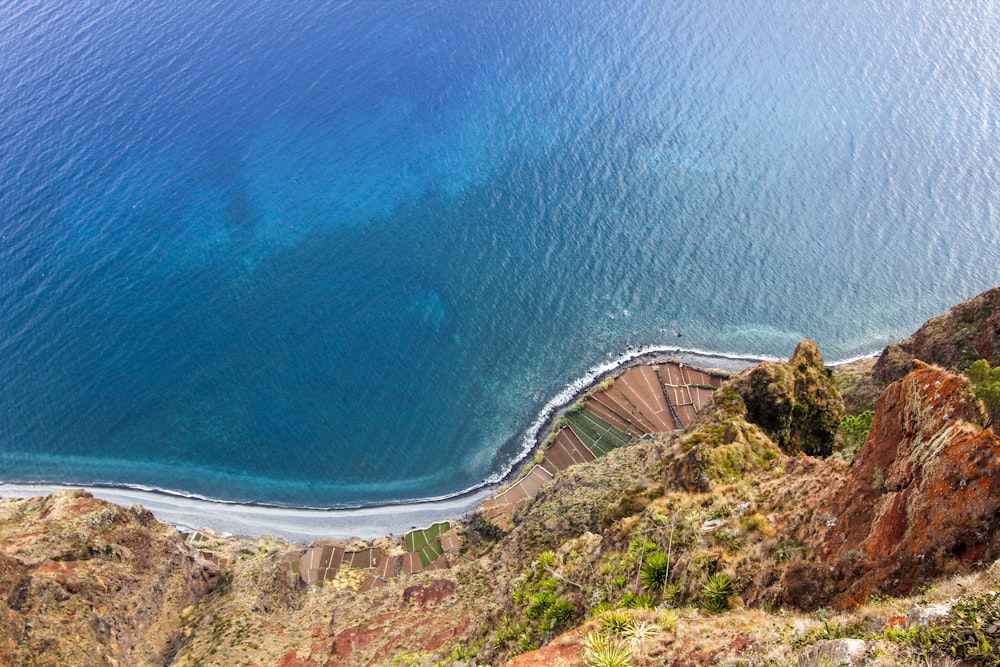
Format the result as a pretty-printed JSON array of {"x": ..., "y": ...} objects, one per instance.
[{"x": 329, "y": 253}]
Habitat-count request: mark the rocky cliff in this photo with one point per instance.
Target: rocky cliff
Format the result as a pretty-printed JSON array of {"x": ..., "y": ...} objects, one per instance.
[
  {"x": 751, "y": 538},
  {"x": 922, "y": 497},
  {"x": 967, "y": 332},
  {"x": 83, "y": 582}
]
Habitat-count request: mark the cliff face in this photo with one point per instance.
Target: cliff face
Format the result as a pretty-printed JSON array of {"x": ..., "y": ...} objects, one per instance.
[
  {"x": 969, "y": 331},
  {"x": 748, "y": 493},
  {"x": 83, "y": 582},
  {"x": 797, "y": 402},
  {"x": 922, "y": 498}
]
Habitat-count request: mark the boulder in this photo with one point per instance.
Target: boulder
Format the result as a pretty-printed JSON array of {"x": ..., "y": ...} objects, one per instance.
[{"x": 834, "y": 653}]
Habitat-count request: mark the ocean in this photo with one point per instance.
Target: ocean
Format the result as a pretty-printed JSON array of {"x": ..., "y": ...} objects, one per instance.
[{"x": 341, "y": 253}]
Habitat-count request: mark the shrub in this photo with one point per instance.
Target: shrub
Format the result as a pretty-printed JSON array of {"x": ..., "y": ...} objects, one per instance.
[
  {"x": 636, "y": 601},
  {"x": 854, "y": 430},
  {"x": 673, "y": 595},
  {"x": 526, "y": 643},
  {"x": 655, "y": 570},
  {"x": 987, "y": 383},
  {"x": 546, "y": 559},
  {"x": 603, "y": 651},
  {"x": 717, "y": 591},
  {"x": 600, "y": 608},
  {"x": 540, "y": 603},
  {"x": 641, "y": 632},
  {"x": 972, "y": 632},
  {"x": 669, "y": 619},
  {"x": 561, "y": 611},
  {"x": 616, "y": 622}
]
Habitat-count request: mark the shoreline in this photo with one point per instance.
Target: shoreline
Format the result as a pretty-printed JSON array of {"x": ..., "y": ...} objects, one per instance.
[
  {"x": 536, "y": 434},
  {"x": 300, "y": 525},
  {"x": 306, "y": 524}
]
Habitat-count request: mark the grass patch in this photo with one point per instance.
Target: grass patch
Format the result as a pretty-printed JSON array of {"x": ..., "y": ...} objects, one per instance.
[
  {"x": 599, "y": 436},
  {"x": 427, "y": 542}
]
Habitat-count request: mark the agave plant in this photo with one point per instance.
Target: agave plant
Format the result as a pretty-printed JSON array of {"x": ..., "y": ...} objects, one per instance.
[
  {"x": 641, "y": 632},
  {"x": 617, "y": 621},
  {"x": 717, "y": 591},
  {"x": 655, "y": 570},
  {"x": 561, "y": 611},
  {"x": 603, "y": 651}
]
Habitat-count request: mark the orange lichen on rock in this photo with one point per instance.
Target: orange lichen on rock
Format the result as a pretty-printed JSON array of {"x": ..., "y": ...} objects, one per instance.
[{"x": 923, "y": 496}]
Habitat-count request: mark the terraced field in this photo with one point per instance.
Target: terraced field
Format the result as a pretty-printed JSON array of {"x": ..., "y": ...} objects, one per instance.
[{"x": 649, "y": 398}]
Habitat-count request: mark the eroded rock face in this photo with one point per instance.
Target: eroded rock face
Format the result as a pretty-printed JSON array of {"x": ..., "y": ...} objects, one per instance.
[
  {"x": 83, "y": 582},
  {"x": 923, "y": 497},
  {"x": 969, "y": 331},
  {"x": 797, "y": 403}
]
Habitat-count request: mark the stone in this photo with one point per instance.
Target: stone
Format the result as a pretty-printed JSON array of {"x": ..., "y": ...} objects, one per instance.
[{"x": 834, "y": 653}]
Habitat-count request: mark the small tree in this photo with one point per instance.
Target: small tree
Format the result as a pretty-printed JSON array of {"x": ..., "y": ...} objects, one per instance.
[{"x": 986, "y": 380}]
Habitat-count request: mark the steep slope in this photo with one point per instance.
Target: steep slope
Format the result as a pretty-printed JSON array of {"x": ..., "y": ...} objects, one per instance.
[
  {"x": 84, "y": 582},
  {"x": 969, "y": 331},
  {"x": 739, "y": 540},
  {"x": 922, "y": 498}
]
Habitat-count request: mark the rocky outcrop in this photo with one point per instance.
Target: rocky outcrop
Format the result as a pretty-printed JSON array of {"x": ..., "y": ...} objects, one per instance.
[
  {"x": 719, "y": 446},
  {"x": 83, "y": 582},
  {"x": 969, "y": 331},
  {"x": 797, "y": 402},
  {"x": 923, "y": 497}
]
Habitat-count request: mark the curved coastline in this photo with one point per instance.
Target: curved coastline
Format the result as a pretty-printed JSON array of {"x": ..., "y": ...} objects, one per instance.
[
  {"x": 558, "y": 404},
  {"x": 305, "y": 523}
]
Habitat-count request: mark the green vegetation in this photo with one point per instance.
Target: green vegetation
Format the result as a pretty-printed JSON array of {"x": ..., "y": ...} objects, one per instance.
[
  {"x": 972, "y": 631},
  {"x": 599, "y": 436},
  {"x": 854, "y": 430},
  {"x": 540, "y": 603},
  {"x": 426, "y": 542},
  {"x": 717, "y": 591},
  {"x": 655, "y": 571},
  {"x": 603, "y": 651},
  {"x": 616, "y": 621},
  {"x": 632, "y": 600},
  {"x": 560, "y": 611},
  {"x": 987, "y": 383}
]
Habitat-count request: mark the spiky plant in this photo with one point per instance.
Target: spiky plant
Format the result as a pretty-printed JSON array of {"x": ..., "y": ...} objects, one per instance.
[
  {"x": 546, "y": 559},
  {"x": 561, "y": 611},
  {"x": 603, "y": 651},
  {"x": 669, "y": 619},
  {"x": 640, "y": 633},
  {"x": 636, "y": 601},
  {"x": 655, "y": 570},
  {"x": 717, "y": 591},
  {"x": 540, "y": 603},
  {"x": 616, "y": 622}
]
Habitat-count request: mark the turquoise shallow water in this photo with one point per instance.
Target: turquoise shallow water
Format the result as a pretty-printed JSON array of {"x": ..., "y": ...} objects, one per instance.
[{"x": 345, "y": 253}]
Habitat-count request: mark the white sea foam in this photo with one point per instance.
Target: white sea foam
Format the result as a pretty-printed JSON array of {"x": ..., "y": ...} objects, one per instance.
[{"x": 562, "y": 399}]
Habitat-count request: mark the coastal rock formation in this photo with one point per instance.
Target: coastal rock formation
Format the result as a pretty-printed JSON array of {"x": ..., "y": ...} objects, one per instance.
[
  {"x": 84, "y": 582},
  {"x": 796, "y": 402},
  {"x": 922, "y": 498},
  {"x": 674, "y": 547},
  {"x": 969, "y": 331},
  {"x": 720, "y": 445}
]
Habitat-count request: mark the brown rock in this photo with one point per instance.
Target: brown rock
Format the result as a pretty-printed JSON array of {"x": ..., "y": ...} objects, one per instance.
[
  {"x": 432, "y": 593},
  {"x": 797, "y": 403},
  {"x": 923, "y": 496},
  {"x": 969, "y": 331},
  {"x": 83, "y": 582}
]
